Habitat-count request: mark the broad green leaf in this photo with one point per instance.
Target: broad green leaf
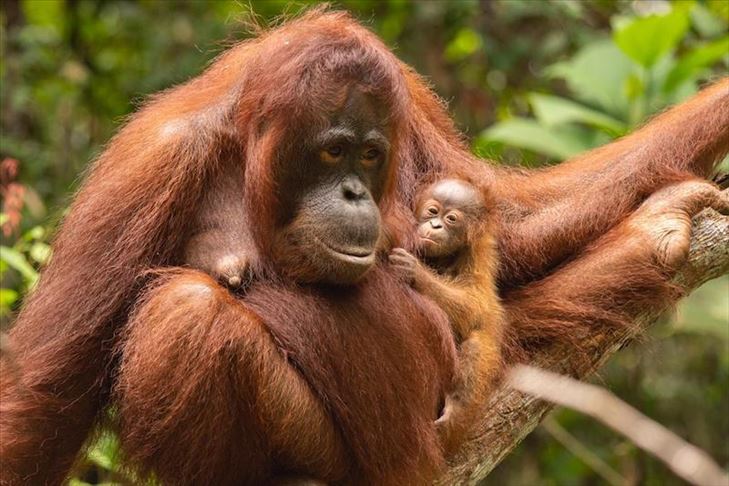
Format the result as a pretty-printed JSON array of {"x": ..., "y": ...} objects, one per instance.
[
  {"x": 553, "y": 110},
  {"x": 706, "y": 23},
  {"x": 648, "y": 38},
  {"x": 696, "y": 60},
  {"x": 528, "y": 134},
  {"x": 597, "y": 75},
  {"x": 16, "y": 260}
]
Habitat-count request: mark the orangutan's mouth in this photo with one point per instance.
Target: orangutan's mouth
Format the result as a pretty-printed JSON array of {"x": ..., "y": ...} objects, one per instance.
[{"x": 352, "y": 254}]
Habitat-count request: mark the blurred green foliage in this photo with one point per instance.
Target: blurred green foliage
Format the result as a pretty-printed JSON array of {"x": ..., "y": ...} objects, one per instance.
[
  {"x": 616, "y": 81},
  {"x": 549, "y": 78}
]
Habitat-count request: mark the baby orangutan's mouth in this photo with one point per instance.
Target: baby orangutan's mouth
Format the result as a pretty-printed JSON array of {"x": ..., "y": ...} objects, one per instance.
[{"x": 431, "y": 241}]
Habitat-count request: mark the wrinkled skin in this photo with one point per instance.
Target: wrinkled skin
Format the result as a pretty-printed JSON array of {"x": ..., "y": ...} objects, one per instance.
[{"x": 332, "y": 194}]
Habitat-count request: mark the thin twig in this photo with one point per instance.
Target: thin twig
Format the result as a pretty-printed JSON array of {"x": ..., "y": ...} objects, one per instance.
[{"x": 685, "y": 460}]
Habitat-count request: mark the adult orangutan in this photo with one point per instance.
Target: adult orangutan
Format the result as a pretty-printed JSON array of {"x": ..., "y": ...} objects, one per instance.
[{"x": 329, "y": 367}]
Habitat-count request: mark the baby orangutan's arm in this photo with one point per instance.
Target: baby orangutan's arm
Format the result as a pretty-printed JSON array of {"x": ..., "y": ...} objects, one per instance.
[
  {"x": 453, "y": 297},
  {"x": 477, "y": 318}
]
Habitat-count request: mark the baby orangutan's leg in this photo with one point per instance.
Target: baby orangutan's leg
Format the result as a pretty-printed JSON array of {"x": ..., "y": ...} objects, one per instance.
[{"x": 480, "y": 368}]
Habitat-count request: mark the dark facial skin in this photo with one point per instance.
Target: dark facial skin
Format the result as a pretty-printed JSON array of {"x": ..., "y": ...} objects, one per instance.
[
  {"x": 444, "y": 215},
  {"x": 333, "y": 195}
]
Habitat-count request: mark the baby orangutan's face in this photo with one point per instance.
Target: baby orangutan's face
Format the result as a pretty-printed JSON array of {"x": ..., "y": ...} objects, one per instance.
[{"x": 445, "y": 212}]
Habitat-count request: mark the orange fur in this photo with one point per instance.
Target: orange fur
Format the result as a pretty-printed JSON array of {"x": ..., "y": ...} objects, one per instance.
[
  {"x": 463, "y": 284},
  {"x": 137, "y": 210}
]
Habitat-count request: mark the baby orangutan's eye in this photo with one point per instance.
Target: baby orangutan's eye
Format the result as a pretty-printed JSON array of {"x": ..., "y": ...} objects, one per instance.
[
  {"x": 432, "y": 210},
  {"x": 451, "y": 218}
]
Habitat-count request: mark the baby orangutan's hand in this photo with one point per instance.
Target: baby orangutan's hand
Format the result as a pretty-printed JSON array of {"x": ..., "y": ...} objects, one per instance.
[{"x": 404, "y": 264}]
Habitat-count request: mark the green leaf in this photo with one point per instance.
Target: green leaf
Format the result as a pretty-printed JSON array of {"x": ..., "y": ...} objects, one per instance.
[
  {"x": 48, "y": 13},
  {"x": 597, "y": 75},
  {"x": 35, "y": 233},
  {"x": 105, "y": 451},
  {"x": 528, "y": 134},
  {"x": 696, "y": 60},
  {"x": 77, "y": 482},
  {"x": 40, "y": 252},
  {"x": 707, "y": 23},
  {"x": 723, "y": 165},
  {"x": 648, "y": 38},
  {"x": 720, "y": 8},
  {"x": 553, "y": 110},
  {"x": 16, "y": 260},
  {"x": 466, "y": 42},
  {"x": 7, "y": 298}
]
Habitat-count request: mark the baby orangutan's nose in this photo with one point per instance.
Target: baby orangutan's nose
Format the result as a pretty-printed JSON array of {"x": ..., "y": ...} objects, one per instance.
[{"x": 436, "y": 223}]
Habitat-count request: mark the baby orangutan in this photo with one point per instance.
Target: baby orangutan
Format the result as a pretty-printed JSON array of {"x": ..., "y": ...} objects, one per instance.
[{"x": 458, "y": 246}]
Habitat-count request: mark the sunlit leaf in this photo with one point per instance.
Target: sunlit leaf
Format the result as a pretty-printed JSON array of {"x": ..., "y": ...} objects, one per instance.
[
  {"x": 707, "y": 23},
  {"x": 77, "y": 482},
  {"x": 720, "y": 8},
  {"x": 724, "y": 165},
  {"x": 16, "y": 260},
  {"x": 35, "y": 233},
  {"x": 8, "y": 297},
  {"x": 553, "y": 110},
  {"x": 46, "y": 13},
  {"x": 465, "y": 43},
  {"x": 646, "y": 39},
  {"x": 695, "y": 61},
  {"x": 40, "y": 252},
  {"x": 597, "y": 74},
  {"x": 528, "y": 134}
]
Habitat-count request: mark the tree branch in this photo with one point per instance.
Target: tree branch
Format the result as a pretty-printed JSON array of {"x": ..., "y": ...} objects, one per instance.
[
  {"x": 509, "y": 415},
  {"x": 685, "y": 460}
]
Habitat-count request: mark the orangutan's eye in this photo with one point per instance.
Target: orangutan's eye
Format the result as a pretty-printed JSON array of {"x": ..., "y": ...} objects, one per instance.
[
  {"x": 332, "y": 154},
  {"x": 451, "y": 218},
  {"x": 432, "y": 210},
  {"x": 371, "y": 157},
  {"x": 335, "y": 150}
]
